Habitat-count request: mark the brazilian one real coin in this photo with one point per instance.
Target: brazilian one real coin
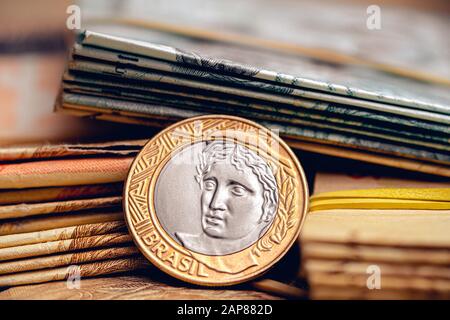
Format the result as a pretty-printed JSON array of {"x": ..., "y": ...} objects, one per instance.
[{"x": 215, "y": 200}]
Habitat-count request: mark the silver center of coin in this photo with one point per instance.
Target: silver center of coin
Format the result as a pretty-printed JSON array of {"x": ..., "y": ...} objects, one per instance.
[{"x": 216, "y": 198}]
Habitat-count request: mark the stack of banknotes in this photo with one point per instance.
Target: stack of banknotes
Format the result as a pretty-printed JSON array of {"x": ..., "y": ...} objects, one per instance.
[
  {"x": 61, "y": 214},
  {"x": 341, "y": 110},
  {"x": 376, "y": 242}
]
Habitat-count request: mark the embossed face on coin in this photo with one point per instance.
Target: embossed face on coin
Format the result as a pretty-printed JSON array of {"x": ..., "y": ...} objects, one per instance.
[
  {"x": 215, "y": 200},
  {"x": 236, "y": 195},
  {"x": 234, "y": 180}
]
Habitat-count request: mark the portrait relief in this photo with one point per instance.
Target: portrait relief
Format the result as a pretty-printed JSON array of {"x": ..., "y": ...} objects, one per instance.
[{"x": 220, "y": 200}]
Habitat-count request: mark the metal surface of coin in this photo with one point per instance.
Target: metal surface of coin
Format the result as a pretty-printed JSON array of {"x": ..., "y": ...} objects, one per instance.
[{"x": 215, "y": 200}]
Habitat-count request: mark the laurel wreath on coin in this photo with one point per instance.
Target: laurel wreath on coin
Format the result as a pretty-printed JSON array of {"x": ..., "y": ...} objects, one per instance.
[{"x": 285, "y": 218}]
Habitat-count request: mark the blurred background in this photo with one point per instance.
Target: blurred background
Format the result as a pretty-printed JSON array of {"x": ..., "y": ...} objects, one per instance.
[{"x": 412, "y": 40}]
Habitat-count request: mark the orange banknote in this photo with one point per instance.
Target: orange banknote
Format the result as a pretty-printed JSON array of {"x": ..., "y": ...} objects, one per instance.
[{"x": 65, "y": 172}]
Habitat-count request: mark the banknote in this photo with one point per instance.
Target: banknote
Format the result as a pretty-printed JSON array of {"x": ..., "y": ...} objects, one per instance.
[
  {"x": 333, "y": 251},
  {"x": 64, "y": 172},
  {"x": 407, "y": 194},
  {"x": 79, "y": 111},
  {"x": 18, "y": 152},
  {"x": 35, "y": 209},
  {"x": 390, "y": 269},
  {"x": 280, "y": 288},
  {"x": 34, "y": 224},
  {"x": 323, "y": 292},
  {"x": 82, "y": 270},
  {"x": 126, "y": 108},
  {"x": 389, "y": 282},
  {"x": 66, "y": 259},
  {"x": 58, "y": 246},
  {"x": 40, "y": 195},
  {"x": 65, "y": 233},
  {"x": 357, "y": 179},
  {"x": 292, "y": 30}
]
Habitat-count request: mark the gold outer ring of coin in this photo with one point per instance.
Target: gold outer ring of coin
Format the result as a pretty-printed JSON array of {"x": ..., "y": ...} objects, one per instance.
[{"x": 214, "y": 270}]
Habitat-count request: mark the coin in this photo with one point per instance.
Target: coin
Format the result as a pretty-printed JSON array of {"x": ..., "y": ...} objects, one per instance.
[{"x": 215, "y": 200}]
